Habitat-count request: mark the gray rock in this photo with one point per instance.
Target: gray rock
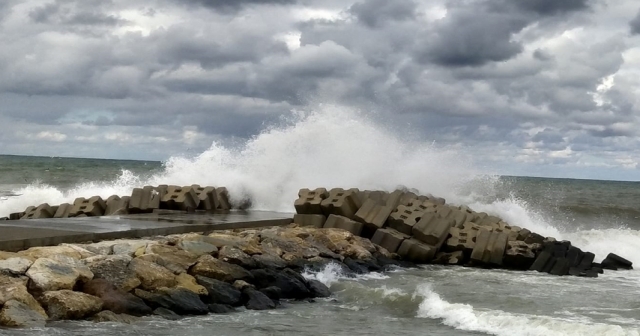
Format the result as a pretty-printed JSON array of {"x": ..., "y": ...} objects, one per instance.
[
  {"x": 15, "y": 266},
  {"x": 17, "y": 314},
  {"x": 257, "y": 300},
  {"x": 115, "y": 269},
  {"x": 235, "y": 256},
  {"x": 220, "y": 292}
]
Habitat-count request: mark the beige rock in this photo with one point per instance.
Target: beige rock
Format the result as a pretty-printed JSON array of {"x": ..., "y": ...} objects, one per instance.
[
  {"x": 333, "y": 239},
  {"x": 186, "y": 281},
  {"x": 357, "y": 252},
  {"x": 15, "y": 266},
  {"x": 152, "y": 276},
  {"x": 17, "y": 314},
  {"x": 70, "y": 305},
  {"x": 241, "y": 285},
  {"x": 12, "y": 280},
  {"x": 57, "y": 272},
  {"x": 211, "y": 267},
  {"x": 47, "y": 251},
  {"x": 84, "y": 253},
  {"x": 18, "y": 292},
  {"x": 100, "y": 248},
  {"x": 166, "y": 255},
  {"x": 365, "y": 243},
  {"x": 129, "y": 247},
  {"x": 6, "y": 255},
  {"x": 115, "y": 269}
]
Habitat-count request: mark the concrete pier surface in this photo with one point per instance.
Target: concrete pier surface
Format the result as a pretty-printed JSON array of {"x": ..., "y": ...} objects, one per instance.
[{"x": 23, "y": 234}]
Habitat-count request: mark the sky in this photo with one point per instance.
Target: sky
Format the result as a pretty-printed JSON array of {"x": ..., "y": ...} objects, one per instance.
[{"x": 529, "y": 87}]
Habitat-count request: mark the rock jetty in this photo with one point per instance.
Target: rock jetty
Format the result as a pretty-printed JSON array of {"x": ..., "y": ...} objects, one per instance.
[{"x": 219, "y": 271}]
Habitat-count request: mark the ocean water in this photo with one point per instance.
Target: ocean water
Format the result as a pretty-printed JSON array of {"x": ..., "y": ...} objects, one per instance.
[{"x": 336, "y": 147}]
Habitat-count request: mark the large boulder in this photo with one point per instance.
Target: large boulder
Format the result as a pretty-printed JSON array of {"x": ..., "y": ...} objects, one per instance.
[
  {"x": 116, "y": 300},
  {"x": 236, "y": 256},
  {"x": 12, "y": 280},
  {"x": 269, "y": 261},
  {"x": 171, "y": 257},
  {"x": 48, "y": 251},
  {"x": 187, "y": 281},
  {"x": 211, "y": 267},
  {"x": 220, "y": 292},
  {"x": 15, "y": 266},
  {"x": 152, "y": 275},
  {"x": 292, "y": 284},
  {"x": 17, "y": 314},
  {"x": 198, "y": 245},
  {"x": 115, "y": 269},
  {"x": 57, "y": 272},
  {"x": 179, "y": 300},
  {"x": 130, "y": 247},
  {"x": 18, "y": 292},
  {"x": 257, "y": 300},
  {"x": 70, "y": 305},
  {"x": 318, "y": 289}
]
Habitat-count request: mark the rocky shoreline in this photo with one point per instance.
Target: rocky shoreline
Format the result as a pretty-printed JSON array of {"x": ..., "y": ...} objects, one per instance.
[{"x": 219, "y": 271}]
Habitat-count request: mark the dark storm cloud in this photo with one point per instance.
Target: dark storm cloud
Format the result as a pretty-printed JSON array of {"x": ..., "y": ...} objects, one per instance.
[
  {"x": 551, "y": 7},
  {"x": 374, "y": 13},
  {"x": 64, "y": 12},
  {"x": 635, "y": 24}
]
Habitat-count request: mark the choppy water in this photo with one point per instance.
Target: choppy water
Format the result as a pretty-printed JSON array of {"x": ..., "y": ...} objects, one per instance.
[{"x": 339, "y": 148}]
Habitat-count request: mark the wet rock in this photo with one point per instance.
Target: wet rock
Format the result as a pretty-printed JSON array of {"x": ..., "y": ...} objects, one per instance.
[
  {"x": 167, "y": 314},
  {"x": 152, "y": 275},
  {"x": 257, "y": 300},
  {"x": 318, "y": 289},
  {"x": 115, "y": 269},
  {"x": 70, "y": 305},
  {"x": 235, "y": 256},
  {"x": 292, "y": 284},
  {"x": 15, "y": 266},
  {"x": 362, "y": 266},
  {"x": 272, "y": 292},
  {"x": 18, "y": 292},
  {"x": 179, "y": 300},
  {"x": 57, "y": 272},
  {"x": 615, "y": 262},
  {"x": 109, "y": 316},
  {"x": 116, "y": 300},
  {"x": 269, "y": 261},
  {"x": 220, "y": 292},
  {"x": 216, "y": 308},
  {"x": 241, "y": 285},
  {"x": 17, "y": 314},
  {"x": 211, "y": 267}
]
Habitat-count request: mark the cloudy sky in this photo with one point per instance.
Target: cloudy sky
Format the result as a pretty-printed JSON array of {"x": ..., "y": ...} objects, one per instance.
[{"x": 534, "y": 87}]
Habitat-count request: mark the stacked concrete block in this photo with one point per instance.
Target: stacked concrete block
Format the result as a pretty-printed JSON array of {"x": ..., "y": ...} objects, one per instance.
[
  {"x": 519, "y": 255},
  {"x": 404, "y": 217},
  {"x": 309, "y": 201},
  {"x": 394, "y": 198},
  {"x": 449, "y": 258},
  {"x": 341, "y": 202},
  {"x": 117, "y": 205},
  {"x": 432, "y": 229},
  {"x": 207, "y": 196},
  {"x": 146, "y": 199},
  {"x": 41, "y": 211},
  {"x": 341, "y": 222},
  {"x": 463, "y": 239},
  {"x": 309, "y": 220},
  {"x": 390, "y": 239},
  {"x": 222, "y": 195},
  {"x": 534, "y": 238},
  {"x": 416, "y": 251},
  {"x": 615, "y": 262},
  {"x": 180, "y": 198},
  {"x": 373, "y": 214},
  {"x": 89, "y": 207},
  {"x": 380, "y": 197},
  {"x": 458, "y": 216},
  {"x": 63, "y": 210},
  {"x": 490, "y": 247},
  {"x": 16, "y": 215}
]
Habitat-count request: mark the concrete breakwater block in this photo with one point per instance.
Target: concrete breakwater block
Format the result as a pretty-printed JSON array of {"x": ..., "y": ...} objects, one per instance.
[
  {"x": 373, "y": 214},
  {"x": 341, "y": 222},
  {"x": 41, "y": 211},
  {"x": 432, "y": 229},
  {"x": 63, "y": 210},
  {"x": 309, "y": 201},
  {"x": 180, "y": 198},
  {"x": 341, "y": 202},
  {"x": 117, "y": 204},
  {"x": 146, "y": 199},
  {"x": 389, "y": 238},
  {"x": 207, "y": 196},
  {"x": 615, "y": 262},
  {"x": 90, "y": 207},
  {"x": 519, "y": 255},
  {"x": 416, "y": 251},
  {"x": 309, "y": 220},
  {"x": 462, "y": 239},
  {"x": 223, "y": 199},
  {"x": 404, "y": 217}
]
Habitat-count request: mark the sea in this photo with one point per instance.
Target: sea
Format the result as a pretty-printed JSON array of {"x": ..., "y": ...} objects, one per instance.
[{"x": 338, "y": 150}]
